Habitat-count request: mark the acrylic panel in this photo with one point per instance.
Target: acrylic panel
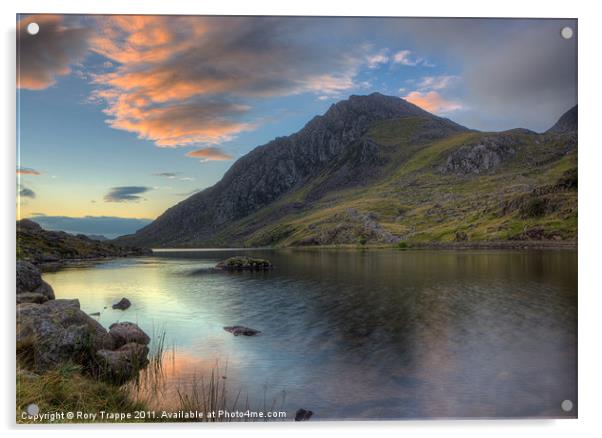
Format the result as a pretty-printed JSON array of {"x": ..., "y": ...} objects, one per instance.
[{"x": 228, "y": 218}]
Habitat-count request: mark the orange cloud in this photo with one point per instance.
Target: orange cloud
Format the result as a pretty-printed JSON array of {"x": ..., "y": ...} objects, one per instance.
[
  {"x": 209, "y": 154},
  {"x": 432, "y": 101},
  {"x": 27, "y": 171},
  {"x": 50, "y": 53},
  {"x": 171, "y": 73}
]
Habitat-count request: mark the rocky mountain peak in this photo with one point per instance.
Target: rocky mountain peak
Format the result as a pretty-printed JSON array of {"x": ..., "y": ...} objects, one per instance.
[
  {"x": 566, "y": 123},
  {"x": 375, "y": 106}
]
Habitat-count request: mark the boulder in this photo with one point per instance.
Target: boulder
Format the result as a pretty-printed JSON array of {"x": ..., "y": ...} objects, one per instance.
[
  {"x": 56, "y": 332},
  {"x": 238, "y": 330},
  {"x": 303, "y": 415},
  {"x": 461, "y": 236},
  {"x": 123, "y": 304},
  {"x": 126, "y": 332},
  {"x": 119, "y": 366},
  {"x": 243, "y": 263},
  {"x": 31, "y": 297},
  {"x": 29, "y": 280}
]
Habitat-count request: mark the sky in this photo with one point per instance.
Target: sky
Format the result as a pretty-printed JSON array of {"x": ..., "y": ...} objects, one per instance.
[{"x": 121, "y": 117}]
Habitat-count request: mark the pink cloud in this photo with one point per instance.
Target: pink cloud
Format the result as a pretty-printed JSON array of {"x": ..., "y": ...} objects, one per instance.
[
  {"x": 171, "y": 73},
  {"x": 209, "y": 154},
  {"x": 432, "y": 101}
]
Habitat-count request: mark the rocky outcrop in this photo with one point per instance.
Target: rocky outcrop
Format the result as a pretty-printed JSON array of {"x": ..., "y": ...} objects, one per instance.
[
  {"x": 351, "y": 226},
  {"x": 127, "y": 332},
  {"x": 58, "y": 331},
  {"x": 240, "y": 330},
  {"x": 566, "y": 123},
  {"x": 243, "y": 263},
  {"x": 120, "y": 365},
  {"x": 30, "y": 286},
  {"x": 36, "y": 245},
  {"x": 482, "y": 157}
]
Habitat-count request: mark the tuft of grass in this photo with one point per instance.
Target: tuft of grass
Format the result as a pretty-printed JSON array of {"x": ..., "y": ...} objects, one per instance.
[{"x": 66, "y": 389}]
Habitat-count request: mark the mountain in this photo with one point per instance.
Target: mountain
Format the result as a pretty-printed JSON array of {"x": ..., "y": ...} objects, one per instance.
[
  {"x": 566, "y": 123},
  {"x": 378, "y": 169}
]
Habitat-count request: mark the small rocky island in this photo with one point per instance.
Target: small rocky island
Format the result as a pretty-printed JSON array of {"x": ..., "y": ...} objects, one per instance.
[{"x": 244, "y": 263}]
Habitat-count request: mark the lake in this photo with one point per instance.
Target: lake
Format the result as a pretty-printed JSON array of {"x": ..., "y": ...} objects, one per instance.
[{"x": 375, "y": 334}]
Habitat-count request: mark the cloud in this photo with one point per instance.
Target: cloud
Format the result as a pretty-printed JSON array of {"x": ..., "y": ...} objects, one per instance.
[
  {"x": 50, "y": 53},
  {"x": 406, "y": 57},
  {"x": 516, "y": 73},
  {"x": 170, "y": 175},
  {"x": 126, "y": 194},
  {"x": 27, "y": 193},
  {"x": 376, "y": 59},
  {"x": 209, "y": 154},
  {"x": 432, "y": 101},
  {"x": 108, "y": 226},
  {"x": 440, "y": 82},
  {"x": 172, "y": 74},
  {"x": 27, "y": 171}
]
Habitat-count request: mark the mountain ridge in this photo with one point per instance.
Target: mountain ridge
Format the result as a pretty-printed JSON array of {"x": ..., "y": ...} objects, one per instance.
[{"x": 358, "y": 144}]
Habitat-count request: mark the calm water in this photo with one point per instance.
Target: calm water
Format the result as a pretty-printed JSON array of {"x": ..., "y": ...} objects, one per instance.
[{"x": 352, "y": 334}]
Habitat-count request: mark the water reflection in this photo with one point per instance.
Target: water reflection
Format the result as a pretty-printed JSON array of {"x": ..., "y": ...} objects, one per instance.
[{"x": 370, "y": 334}]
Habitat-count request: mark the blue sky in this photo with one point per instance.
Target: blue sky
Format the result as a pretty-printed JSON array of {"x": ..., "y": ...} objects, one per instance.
[{"x": 124, "y": 116}]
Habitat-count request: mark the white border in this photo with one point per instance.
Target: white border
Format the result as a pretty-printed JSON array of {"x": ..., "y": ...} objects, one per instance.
[{"x": 590, "y": 154}]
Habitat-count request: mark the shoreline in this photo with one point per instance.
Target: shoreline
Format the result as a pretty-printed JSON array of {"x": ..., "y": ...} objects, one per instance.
[{"x": 500, "y": 245}]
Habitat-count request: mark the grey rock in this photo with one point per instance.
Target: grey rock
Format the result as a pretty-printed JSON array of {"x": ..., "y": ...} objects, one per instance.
[
  {"x": 46, "y": 290},
  {"x": 351, "y": 226},
  {"x": 56, "y": 332},
  {"x": 29, "y": 280},
  {"x": 303, "y": 415},
  {"x": 461, "y": 236},
  {"x": 482, "y": 157},
  {"x": 31, "y": 297},
  {"x": 123, "y": 304},
  {"x": 127, "y": 332},
  {"x": 119, "y": 366}
]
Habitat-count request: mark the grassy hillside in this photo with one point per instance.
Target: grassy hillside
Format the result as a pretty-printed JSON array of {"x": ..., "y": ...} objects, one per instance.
[{"x": 530, "y": 196}]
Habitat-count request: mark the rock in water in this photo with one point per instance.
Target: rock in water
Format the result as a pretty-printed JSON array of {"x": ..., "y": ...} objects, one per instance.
[
  {"x": 238, "y": 330},
  {"x": 29, "y": 281},
  {"x": 243, "y": 263},
  {"x": 303, "y": 415},
  {"x": 123, "y": 364},
  {"x": 56, "y": 332},
  {"x": 127, "y": 332},
  {"x": 123, "y": 304}
]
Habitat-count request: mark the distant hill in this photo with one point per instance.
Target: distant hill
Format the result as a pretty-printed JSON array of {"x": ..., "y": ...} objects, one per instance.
[
  {"x": 376, "y": 169},
  {"x": 97, "y": 237},
  {"x": 37, "y": 245}
]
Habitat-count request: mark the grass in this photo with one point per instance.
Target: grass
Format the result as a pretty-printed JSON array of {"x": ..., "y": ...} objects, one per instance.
[
  {"x": 69, "y": 388},
  {"x": 66, "y": 389}
]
